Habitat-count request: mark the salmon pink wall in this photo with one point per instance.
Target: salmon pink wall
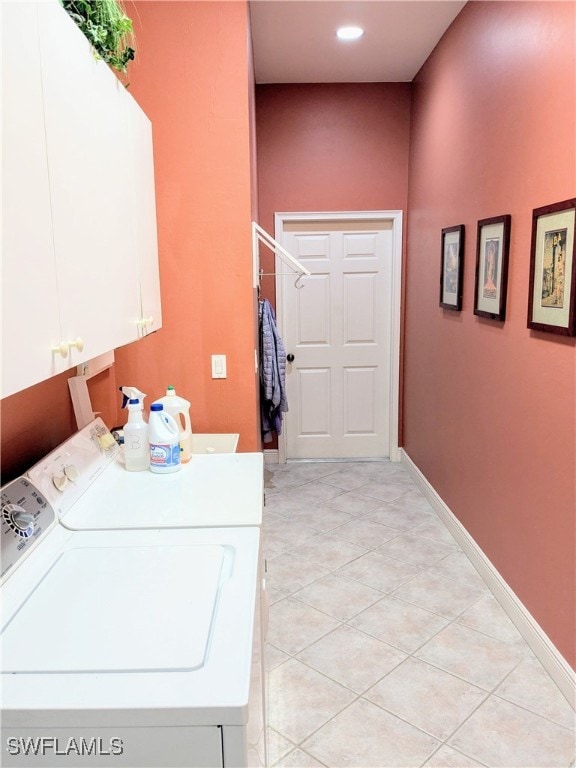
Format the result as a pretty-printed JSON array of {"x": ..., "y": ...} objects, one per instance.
[
  {"x": 489, "y": 406},
  {"x": 330, "y": 147},
  {"x": 254, "y": 191},
  {"x": 191, "y": 78},
  {"x": 34, "y": 421}
]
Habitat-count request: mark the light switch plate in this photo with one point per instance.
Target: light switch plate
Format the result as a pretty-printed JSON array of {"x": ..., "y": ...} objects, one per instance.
[{"x": 218, "y": 366}]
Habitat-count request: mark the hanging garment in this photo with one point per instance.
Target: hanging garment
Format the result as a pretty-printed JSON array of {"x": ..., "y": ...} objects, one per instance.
[{"x": 273, "y": 402}]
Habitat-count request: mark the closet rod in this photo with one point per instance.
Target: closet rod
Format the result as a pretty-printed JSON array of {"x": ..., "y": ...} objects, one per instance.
[{"x": 260, "y": 235}]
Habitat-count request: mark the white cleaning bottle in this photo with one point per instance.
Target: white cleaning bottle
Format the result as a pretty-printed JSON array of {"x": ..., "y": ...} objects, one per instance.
[
  {"x": 179, "y": 409},
  {"x": 164, "y": 437},
  {"x": 135, "y": 430},
  {"x": 136, "y": 455}
]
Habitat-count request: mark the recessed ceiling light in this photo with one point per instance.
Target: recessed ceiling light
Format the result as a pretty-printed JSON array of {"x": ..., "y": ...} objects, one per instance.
[{"x": 349, "y": 33}]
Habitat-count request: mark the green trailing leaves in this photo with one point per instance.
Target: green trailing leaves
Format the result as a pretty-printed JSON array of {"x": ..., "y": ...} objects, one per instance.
[{"x": 107, "y": 28}]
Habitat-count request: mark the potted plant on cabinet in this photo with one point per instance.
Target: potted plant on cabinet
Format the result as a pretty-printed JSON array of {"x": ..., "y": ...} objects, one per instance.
[{"x": 107, "y": 27}]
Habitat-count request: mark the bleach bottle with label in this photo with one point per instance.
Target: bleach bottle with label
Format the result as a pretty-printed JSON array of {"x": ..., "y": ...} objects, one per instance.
[
  {"x": 164, "y": 436},
  {"x": 179, "y": 409},
  {"x": 136, "y": 446}
]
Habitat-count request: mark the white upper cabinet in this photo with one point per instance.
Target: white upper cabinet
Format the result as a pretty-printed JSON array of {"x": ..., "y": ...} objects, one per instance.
[
  {"x": 88, "y": 140},
  {"x": 30, "y": 319},
  {"x": 81, "y": 250},
  {"x": 144, "y": 212}
]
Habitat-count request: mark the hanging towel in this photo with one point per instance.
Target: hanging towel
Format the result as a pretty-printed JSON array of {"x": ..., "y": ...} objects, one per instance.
[{"x": 273, "y": 402}]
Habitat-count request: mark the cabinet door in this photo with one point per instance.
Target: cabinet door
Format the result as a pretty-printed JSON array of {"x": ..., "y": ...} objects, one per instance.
[
  {"x": 88, "y": 131},
  {"x": 30, "y": 325},
  {"x": 143, "y": 195}
]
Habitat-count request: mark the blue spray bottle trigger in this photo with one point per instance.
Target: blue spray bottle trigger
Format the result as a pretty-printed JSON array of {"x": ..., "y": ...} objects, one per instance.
[{"x": 131, "y": 393}]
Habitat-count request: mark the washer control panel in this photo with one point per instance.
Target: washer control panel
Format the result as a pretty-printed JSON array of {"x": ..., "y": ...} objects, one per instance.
[
  {"x": 66, "y": 472},
  {"x": 25, "y": 515}
]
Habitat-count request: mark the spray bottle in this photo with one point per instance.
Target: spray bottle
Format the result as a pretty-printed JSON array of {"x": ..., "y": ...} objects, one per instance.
[{"x": 136, "y": 446}]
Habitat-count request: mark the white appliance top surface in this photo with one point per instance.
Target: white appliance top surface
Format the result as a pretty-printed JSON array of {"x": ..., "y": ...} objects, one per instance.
[
  {"x": 158, "y": 605},
  {"x": 210, "y": 490},
  {"x": 106, "y": 648}
]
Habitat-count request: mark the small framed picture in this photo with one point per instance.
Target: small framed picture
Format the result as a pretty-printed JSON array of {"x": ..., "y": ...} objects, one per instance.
[
  {"x": 452, "y": 269},
  {"x": 552, "y": 297},
  {"x": 492, "y": 249}
]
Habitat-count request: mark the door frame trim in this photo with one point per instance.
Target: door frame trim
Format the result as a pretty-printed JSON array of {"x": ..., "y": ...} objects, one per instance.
[{"x": 280, "y": 219}]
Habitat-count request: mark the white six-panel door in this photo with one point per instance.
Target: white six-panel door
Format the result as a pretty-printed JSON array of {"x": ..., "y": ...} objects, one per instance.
[{"x": 340, "y": 328}]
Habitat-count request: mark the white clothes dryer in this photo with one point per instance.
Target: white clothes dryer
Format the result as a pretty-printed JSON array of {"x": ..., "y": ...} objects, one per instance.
[
  {"x": 127, "y": 645},
  {"x": 211, "y": 490}
]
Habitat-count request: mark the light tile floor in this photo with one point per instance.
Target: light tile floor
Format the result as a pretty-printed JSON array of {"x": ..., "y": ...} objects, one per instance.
[{"x": 385, "y": 646}]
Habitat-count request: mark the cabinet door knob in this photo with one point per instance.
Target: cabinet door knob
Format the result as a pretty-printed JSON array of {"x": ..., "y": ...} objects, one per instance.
[
  {"x": 61, "y": 349},
  {"x": 290, "y": 358},
  {"x": 79, "y": 344}
]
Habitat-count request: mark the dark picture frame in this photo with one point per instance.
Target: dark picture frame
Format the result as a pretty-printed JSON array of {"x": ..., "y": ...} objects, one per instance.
[
  {"x": 552, "y": 292},
  {"x": 452, "y": 267},
  {"x": 492, "y": 254}
]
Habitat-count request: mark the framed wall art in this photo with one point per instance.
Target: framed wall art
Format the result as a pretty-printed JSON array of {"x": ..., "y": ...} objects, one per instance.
[
  {"x": 552, "y": 297},
  {"x": 492, "y": 250},
  {"x": 452, "y": 267}
]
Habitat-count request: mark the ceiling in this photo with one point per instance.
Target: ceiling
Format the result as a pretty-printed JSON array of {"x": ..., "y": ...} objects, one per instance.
[{"x": 295, "y": 40}]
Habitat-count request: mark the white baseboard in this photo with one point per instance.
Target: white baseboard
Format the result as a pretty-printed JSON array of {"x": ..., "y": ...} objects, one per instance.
[
  {"x": 541, "y": 645},
  {"x": 271, "y": 456}
]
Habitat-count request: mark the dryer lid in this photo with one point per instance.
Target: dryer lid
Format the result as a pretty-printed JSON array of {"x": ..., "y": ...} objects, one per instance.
[{"x": 119, "y": 609}]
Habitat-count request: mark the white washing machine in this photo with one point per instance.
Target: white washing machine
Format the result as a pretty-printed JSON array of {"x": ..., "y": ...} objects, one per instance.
[{"x": 131, "y": 617}]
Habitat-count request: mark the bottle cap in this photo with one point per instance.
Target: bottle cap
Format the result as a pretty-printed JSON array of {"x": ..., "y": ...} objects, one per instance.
[
  {"x": 133, "y": 402},
  {"x": 156, "y": 407}
]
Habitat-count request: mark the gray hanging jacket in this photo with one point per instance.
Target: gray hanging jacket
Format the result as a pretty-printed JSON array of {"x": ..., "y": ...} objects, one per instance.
[{"x": 273, "y": 402}]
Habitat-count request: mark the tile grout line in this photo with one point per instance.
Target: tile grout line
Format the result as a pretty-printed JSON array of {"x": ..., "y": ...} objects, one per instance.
[
  {"x": 454, "y": 620},
  {"x": 383, "y": 595},
  {"x": 361, "y": 696}
]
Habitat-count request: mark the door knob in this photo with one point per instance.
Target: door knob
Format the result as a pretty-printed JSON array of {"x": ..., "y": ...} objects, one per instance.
[{"x": 290, "y": 358}]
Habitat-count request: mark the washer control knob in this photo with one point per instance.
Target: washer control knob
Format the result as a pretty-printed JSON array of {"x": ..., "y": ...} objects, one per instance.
[
  {"x": 19, "y": 519},
  {"x": 60, "y": 482},
  {"x": 71, "y": 472}
]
